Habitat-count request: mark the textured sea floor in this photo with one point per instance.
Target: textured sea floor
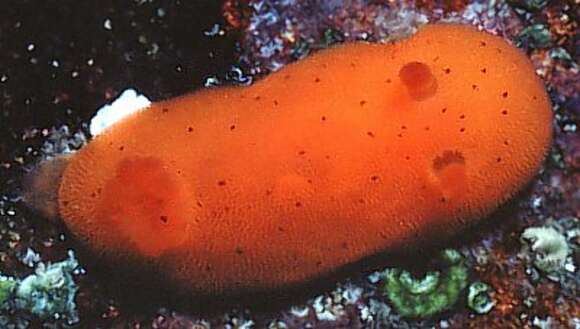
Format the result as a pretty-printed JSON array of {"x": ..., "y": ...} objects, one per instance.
[{"x": 61, "y": 60}]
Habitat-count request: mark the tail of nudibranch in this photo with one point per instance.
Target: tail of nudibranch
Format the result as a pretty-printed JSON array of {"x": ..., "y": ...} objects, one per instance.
[{"x": 40, "y": 186}]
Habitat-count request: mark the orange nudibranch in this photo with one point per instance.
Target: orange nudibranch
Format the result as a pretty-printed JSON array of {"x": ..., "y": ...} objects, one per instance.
[{"x": 355, "y": 150}]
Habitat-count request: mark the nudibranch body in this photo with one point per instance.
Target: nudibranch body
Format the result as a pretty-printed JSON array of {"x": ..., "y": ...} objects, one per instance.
[{"x": 352, "y": 151}]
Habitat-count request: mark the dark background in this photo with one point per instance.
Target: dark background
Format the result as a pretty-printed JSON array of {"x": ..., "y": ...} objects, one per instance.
[{"x": 156, "y": 47}]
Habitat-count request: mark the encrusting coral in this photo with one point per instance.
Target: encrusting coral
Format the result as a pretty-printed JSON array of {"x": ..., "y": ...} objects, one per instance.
[
  {"x": 478, "y": 298},
  {"x": 548, "y": 246},
  {"x": 47, "y": 293}
]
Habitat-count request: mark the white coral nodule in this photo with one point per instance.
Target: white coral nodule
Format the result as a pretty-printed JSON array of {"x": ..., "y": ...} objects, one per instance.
[{"x": 548, "y": 246}]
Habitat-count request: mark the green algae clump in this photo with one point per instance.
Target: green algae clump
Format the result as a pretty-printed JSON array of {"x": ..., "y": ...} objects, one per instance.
[
  {"x": 423, "y": 297},
  {"x": 7, "y": 286}
]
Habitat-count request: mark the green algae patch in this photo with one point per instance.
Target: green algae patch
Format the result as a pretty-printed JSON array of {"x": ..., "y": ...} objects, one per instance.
[
  {"x": 434, "y": 293},
  {"x": 7, "y": 286}
]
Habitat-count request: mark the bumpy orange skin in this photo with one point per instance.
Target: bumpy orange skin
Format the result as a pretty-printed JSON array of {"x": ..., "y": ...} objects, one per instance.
[{"x": 352, "y": 151}]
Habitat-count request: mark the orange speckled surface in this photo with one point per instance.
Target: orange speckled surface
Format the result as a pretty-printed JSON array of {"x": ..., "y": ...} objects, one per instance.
[{"x": 346, "y": 153}]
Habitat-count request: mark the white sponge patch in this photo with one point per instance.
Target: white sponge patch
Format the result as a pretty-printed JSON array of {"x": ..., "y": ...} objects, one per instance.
[{"x": 130, "y": 101}]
